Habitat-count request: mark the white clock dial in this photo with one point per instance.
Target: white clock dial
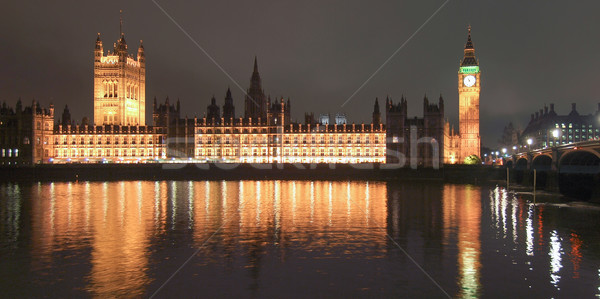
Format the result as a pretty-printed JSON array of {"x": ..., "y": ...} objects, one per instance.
[{"x": 470, "y": 80}]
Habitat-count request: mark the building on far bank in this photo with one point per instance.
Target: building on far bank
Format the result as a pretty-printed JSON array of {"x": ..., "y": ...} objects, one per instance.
[
  {"x": 25, "y": 134},
  {"x": 547, "y": 129},
  {"x": 265, "y": 133},
  {"x": 268, "y": 135}
]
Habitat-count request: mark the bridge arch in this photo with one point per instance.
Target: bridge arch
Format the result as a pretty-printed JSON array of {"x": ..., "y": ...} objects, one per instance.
[
  {"x": 579, "y": 173},
  {"x": 579, "y": 157},
  {"x": 542, "y": 162},
  {"x": 522, "y": 163}
]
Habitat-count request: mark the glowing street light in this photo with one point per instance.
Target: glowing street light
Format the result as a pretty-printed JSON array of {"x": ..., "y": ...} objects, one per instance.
[
  {"x": 555, "y": 133},
  {"x": 529, "y": 141},
  {"x": 504, "y": 150}
]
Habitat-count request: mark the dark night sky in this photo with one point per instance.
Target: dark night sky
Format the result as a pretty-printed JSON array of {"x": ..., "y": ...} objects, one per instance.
[{"x": 315, "y": 52}]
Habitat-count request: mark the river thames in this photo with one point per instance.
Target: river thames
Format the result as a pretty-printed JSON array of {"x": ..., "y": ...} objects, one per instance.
[{"x": 292, "y": 239}]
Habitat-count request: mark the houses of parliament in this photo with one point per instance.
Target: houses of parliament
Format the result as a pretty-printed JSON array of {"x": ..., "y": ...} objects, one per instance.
[{"x": 264, "y": 133}]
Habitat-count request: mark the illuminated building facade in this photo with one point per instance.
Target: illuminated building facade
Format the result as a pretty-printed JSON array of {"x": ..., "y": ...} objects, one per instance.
[
  {"x": 265, "y": 133},
  {"x": 468, "y": 141},
  {"x": 247, "y": 142},
  {"x": 119, "y": 85},
  {"x": 87, "y": 143},
  {"x": 547, "y": 129}
]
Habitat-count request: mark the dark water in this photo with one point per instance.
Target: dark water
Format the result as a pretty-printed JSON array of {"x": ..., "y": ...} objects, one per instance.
[{"x": 292, "y": 239}]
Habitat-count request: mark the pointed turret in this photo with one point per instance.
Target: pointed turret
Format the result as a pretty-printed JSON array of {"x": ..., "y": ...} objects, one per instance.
[
  {"x": 19, "y": 106},
  {"x": 141, "y": 57},
  {"x": 376, "y": 113},
  {"x": 213, "y": 112},
  {"x": 66, "y": 116},
  {"x": 469, "y": 57},
  {"x": 98, "y": 42},
  {"x": 121, "y": 45},
  {"x": 469, "y": 44},
  {"x": 228, "y": 108},
  {"x": 255, "y": 102},
  {"x": 98, "y": 49}
]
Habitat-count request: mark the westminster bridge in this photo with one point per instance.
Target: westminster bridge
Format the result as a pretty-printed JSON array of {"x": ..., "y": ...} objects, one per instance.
[{"x": 572, "y": 169}]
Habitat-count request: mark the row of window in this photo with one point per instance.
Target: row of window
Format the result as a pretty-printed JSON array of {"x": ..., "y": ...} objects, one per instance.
[
  {"x": 313, "y": 160},
  {"x": 571, "y": 125},
  {"x": 265, "y": 130},
  {"x": 294, "y": 140},
  {"x": 10, "y": 152},
  {"x": 111, "y": 89},
  {"x": 289, "y": 152},
  {"x": 104, "y": 140},
  {"x": 100, "y": 153}
]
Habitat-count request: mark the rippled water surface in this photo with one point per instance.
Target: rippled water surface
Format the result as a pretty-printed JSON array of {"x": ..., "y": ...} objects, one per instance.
[{"x": 292, "y": 239}]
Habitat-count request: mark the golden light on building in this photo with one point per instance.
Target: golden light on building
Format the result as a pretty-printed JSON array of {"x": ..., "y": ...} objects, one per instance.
[
  {"x": 126, "y": 144},
  {"x": 119, "y": 85},
  {"x": 467, "y": 141},
  {"x": 294, "y": 143},
  {"x": 266, "y": 134}
]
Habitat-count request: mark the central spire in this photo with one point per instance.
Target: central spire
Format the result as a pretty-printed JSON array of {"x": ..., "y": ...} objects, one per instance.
[
  {"x": 469, "y": 44},
  {"x": 255, "y": 102},
  {"x": 121, "y": 22},
  {"x": 469, "y": 57}
]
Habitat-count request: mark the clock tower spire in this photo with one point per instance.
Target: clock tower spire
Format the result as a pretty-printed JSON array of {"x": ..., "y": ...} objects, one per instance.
[{"x": 469, "y": 86}]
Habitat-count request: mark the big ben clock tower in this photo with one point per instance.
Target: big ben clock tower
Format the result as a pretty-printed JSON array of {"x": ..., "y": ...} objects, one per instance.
[{"x": 469, "y": 85}]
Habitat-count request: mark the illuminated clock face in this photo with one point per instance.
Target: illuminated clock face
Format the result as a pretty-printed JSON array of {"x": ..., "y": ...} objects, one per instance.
[{"x": 470, "y": 80}]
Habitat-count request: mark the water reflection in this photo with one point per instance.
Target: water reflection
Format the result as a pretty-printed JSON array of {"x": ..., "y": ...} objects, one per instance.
[
  {"x": 118, "y": 228},
  {"x": 555, "y": 258},
  {"x": 115, "y": 239},
  {"x": 462, "y": 216}
]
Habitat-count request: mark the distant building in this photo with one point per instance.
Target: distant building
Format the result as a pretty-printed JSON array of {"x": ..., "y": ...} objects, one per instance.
[
  {"x": 25, "y": 134},
  {"x": 546, "y": 128},
  {"x": 510, "y": 137},
  {"x": 324, "y": 119}
]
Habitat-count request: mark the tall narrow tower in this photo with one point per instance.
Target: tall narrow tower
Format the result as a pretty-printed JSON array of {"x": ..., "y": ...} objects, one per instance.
[
  {"x": 469, "y": 85},
  {"x": 119, "y": 85},
  {"x": 255, "y": 102}
]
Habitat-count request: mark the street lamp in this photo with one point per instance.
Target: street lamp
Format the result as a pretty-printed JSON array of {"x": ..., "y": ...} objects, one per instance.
[
  {"x": 555, "y": 133},
  {"x": 529, "y": 141}
]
